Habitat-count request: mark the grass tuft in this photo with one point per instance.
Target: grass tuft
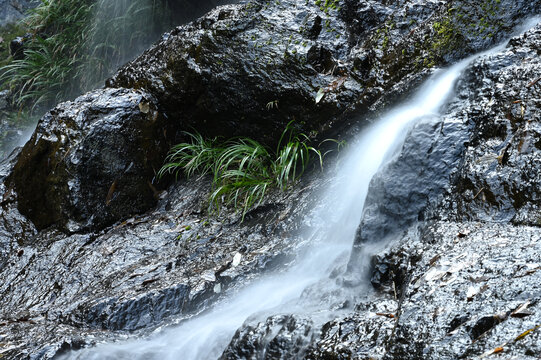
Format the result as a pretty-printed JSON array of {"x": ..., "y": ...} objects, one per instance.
[
  {"x": 242, "y": 169},
  {"x": 76, "y": 44}
]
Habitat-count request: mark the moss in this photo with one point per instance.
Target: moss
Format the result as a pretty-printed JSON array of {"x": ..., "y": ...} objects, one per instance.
[
  {"x": 451, "y": 32},
  {"x": 327, "y": 5}
]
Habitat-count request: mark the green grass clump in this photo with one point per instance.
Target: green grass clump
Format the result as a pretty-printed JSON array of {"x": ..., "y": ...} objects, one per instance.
[
  {"x": 242, "y": 169},
  {"x": 53, "y": 56}
]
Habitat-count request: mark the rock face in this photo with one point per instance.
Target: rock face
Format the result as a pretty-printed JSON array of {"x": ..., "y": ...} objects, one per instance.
[
  {"x": 241, "y": 70},
  {"x": 500, "y": 180},
  {"x": 12, "y": 11},
  {"x": 91, "y": 251},
  {"x": 250, "y": 69},
  {"x": 93, "y": 161},
  {"x": 279, "y": 337},
  {"x": 134, "y": 276},
  {"x": 461, "y": 289}
]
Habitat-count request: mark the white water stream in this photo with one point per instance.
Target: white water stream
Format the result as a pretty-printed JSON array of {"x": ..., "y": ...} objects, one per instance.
[{"x": 207, "y": 335}]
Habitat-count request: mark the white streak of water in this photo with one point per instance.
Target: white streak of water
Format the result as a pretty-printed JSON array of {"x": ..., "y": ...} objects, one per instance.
[{"x": 206, "y": 336}]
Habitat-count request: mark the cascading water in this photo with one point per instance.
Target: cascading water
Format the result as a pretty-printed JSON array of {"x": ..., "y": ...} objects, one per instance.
[
  {"x": 207, "y": 335},
  {"x": 122, "y": 29}
]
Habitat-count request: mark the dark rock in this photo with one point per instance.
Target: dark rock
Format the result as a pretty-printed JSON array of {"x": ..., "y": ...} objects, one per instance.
[
  {"x": 315, "y": 28},
  {"x": 215, "y": 75},
  {"x": 401, "y": 192},
  {"x": 499, "y": 179},
  {"x": 483, "y": 325},
  {"x": 92, "y": 161},
  {"x": 279, "y": 337},
  {"x": 17, "y": 46},
  {"x": 136, "y": 275},
  {"x": 457, "y": 321},
  {"x": 390, "y": 272},
  {"x": 487, "y": 261},
  {"x": 363, "y": 334},
  {"x": 219, "y": 73},
  {"x": 321, "y": 59},
  {"x": 141, "y": 312}
]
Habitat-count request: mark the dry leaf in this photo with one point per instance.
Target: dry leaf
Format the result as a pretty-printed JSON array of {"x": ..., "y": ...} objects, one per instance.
[
  {"x": 526, "y": 333},
  {"x": 144, "y": 107},
  {"x": 522, "y": 311},
  {"x": 319, "y": 95}
]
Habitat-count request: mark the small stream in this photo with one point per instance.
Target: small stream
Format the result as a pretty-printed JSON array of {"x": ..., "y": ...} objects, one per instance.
[{"x": 207, "y": 335}]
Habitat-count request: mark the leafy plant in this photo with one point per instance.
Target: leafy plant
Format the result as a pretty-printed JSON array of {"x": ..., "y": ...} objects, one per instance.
[
  {"x": 52, "y": 55},
  {"x": 76, "y": 44},
  {"x": 242, "y": 169}
]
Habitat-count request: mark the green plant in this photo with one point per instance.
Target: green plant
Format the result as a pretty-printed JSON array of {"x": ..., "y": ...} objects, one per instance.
[
  {"x": 327, "y": 5},
  {"x": 52, "y": 55},
  {"x": 75, "y": 44},
  {"x": 242, "y": 169}
]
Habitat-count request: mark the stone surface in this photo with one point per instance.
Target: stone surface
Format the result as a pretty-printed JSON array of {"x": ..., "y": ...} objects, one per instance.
[
  {"x": 105, "y": 260},
  {"x": 14, "y": 10},
  {"x": 92, "y": 161}
]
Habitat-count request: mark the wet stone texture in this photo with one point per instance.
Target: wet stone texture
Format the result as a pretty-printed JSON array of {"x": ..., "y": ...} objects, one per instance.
[
  {"x": 279, "y": 337},
  {"x": 464, "y": 289},
  {"x": 12, "y": 11},
  {"x": 91, "y": 250},
  {"x": 250, "y": 69},
  {"x": 92, "y": 161},
  {"x": 476, "y": 291},
  {"x": 63, "y": 292},
  {"x": 500, "y": 179}
]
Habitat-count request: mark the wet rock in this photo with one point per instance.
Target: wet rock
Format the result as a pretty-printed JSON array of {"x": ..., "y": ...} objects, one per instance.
[
  {"x": 321, "y": 59},
  {"x": 458, "y": 321},
  {"x": 279, "y": 337},
  {"x": 219, "y": 73},
  {"x": 135, "y": 275},
  {"x": 11, "y": 11},
  {"x": 116, "y": 272},
  {"x": 483, "y": 325},
  {"x": 499, "y": 179},
  {"x": 92, "y": 161},
  {"x": 363, "y": 334},
  {"x": 16, "y": 46},
  {"x": 390, "y": 272},
  {"x": 144, "y": 311},
  {"x": 401, "y": 193},
  {"x": 438, "y": 322}
]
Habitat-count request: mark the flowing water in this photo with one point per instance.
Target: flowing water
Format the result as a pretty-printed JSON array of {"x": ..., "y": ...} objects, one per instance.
[
  {"x": 207, "y": 335},
  {"x": 119, "y": 31}
]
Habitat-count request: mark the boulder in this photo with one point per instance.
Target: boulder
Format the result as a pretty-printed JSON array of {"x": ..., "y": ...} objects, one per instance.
[{"x": 92, "y": 161}]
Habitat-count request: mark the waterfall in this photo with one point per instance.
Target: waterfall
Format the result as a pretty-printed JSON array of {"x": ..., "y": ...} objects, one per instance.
[
  {"x": 206, "y": 336},
  {"x": 121, "y": 30}
]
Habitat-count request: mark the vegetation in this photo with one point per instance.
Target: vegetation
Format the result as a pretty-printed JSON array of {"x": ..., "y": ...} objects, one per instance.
[
  {"x": 327, "y": 5},
  {"x": 242, "y": 169},
  {"x": 479, "y": 20},
  {"x": 75, "y": 44},
  {"x": 8, "y": 33}
]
